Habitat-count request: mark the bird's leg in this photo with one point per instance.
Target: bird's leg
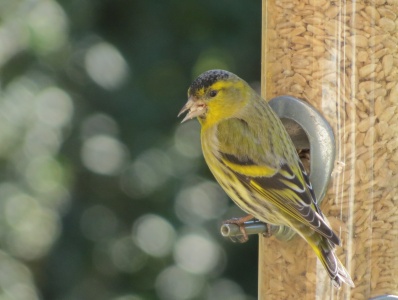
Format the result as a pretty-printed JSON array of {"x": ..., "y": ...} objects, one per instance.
[
  {"x": 241, "y": 223},
  {"x": 305, "y": 157},
  {"x": 268, "y": 233}
]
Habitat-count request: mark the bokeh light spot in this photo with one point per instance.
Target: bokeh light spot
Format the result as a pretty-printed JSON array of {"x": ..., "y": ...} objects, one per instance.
[
  {"x": 16, "y": 281},
  {"x": 54, "y": 107},
  {"x": 147, "y": 173},
  {"x": 187, "y": 139},
  {"x": 12, "y": 39},
  {"x": 201, "y": 202},
  {"x": 106, "y": 66},
  {"x": 42, "y": 140},
  {"x": 44, "y": 174},
  {"x": 154, "y": 235},
  {"x": 225, "y": 289},
  {"x": 103, "y": 154},
  {"x": 17, "y": 105},
  {"x": 97, "y": 124},
  {"x": 197, "y": 254},
  {"x": 126, "y": 256},
  {"x": 48, "y": 26},
  {"x": 34, "y": 228},
  {"x": 174, "y": 283}
]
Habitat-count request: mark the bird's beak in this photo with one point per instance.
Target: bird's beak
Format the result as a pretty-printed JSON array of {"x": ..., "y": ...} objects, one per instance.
[{"x": 194, "y": 107}]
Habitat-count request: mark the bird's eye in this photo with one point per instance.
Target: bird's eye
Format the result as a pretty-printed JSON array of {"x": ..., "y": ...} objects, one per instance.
[{"x": 213, "y": 93}]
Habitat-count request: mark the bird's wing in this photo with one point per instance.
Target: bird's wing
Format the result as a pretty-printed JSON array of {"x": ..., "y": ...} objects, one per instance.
[
  {"x": 284, "y": 185},
  {"x": 286, "y": 188}
]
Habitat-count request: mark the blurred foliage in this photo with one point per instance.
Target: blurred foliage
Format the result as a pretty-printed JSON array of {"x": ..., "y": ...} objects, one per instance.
[{"x": 104, "y": 195}]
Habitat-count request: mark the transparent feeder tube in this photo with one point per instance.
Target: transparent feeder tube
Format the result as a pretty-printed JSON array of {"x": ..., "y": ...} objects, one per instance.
[{"x": 341, "y": 57}]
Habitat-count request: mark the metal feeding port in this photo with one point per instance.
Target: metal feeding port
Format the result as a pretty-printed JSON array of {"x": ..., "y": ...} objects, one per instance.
[{"x": 308, "y": 129}]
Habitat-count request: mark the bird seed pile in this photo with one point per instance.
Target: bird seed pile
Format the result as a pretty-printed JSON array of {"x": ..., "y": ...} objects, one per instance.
[{"x": 342, "y": 57}]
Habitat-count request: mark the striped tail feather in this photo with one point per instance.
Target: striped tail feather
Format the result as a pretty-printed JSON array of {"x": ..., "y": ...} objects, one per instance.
[{"x": 332, "y": 264}]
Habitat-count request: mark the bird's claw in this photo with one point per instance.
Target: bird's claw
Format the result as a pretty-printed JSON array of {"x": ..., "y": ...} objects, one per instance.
[
  {"x": 240, "y": 222},
  {"x": 268, "y": 232}
]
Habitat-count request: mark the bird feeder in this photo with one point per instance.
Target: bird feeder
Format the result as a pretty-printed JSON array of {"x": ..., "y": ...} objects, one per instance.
[{"x": 342, "y": 58}]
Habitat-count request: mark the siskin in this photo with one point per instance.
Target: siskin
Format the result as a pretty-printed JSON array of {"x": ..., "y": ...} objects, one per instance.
[{"x": 253, "y": 158}]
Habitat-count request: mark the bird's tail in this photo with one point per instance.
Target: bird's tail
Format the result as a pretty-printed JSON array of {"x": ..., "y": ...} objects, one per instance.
[{"x": 337, "y": 272}]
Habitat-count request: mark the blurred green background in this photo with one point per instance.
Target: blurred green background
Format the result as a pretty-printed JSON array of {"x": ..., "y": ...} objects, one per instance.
[{"x": 103, "y": 194}]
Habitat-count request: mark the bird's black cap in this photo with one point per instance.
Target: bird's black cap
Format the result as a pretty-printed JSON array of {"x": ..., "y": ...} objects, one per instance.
[{"x": 207, "y": 79}]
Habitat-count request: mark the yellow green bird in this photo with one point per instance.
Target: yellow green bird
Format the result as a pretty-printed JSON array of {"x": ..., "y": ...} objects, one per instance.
[{"x": 253, "y": 158}]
